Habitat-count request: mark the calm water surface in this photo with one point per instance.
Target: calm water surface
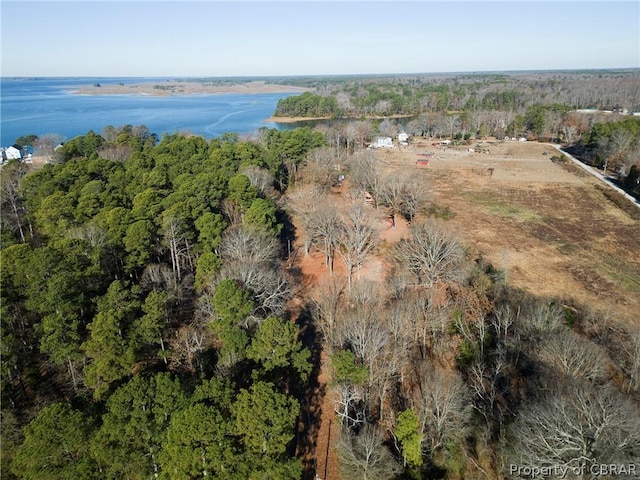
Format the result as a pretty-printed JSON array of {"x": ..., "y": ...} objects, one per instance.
[{"x": 45, "y": 105}]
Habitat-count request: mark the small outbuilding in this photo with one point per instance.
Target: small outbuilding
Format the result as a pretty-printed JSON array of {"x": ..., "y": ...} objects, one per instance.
[
  {"x": 13, "y": 152},
  {"x": 383, "y": 142}
]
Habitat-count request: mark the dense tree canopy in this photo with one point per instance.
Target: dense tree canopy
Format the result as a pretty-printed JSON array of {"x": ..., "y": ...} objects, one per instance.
[
  {"x": 56, "y": 446},
  {"x": 115, "y": 321},
  {"x": 307, "y": 105}
]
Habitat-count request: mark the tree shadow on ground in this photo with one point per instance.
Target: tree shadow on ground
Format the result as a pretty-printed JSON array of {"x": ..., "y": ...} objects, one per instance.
[{"x": 311, "y": 397}]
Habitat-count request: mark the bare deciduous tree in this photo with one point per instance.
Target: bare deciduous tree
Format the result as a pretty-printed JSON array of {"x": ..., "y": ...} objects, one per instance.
[
  {"x": 303, "y": 202},
  {"x": 503, "y": 319},
  {"x": 259, "y": 178},
  {"x": 621, "y": 141},
  {"x": 349, "y": 405},
  {"x": 631, "y": 362},
  {"x": 569, "y": 131},
  {"x": 632, "y": 157},
  {"x": 388, "y": 127},
  {"x": 351, "y": 134},
  {"x": 356, "y": 239},
  {"x": 232, "y": 212},
  {"x": 573, "y": 356},
  {"x": 473, "y": 328},
  {"x": 250, "y": 257},
  {"x": 324, "y": 225},
  {"x": 368, "y": 296},
  {"x": 160, "y": 277},
  {"x": 186, "y": 345},
  {"x": 336, "y": 137},
  {"x": 115, "y": 153},
  {"x": 443, "y": 407},
  {"x": 364, "y": 131},
  {"x": 403, "y": 194},
  {"x": 91, "y": 233},
  {"x": 269, "y": 287},
  {"x": 326, "y": 301},
  {"x": 577, "y": 426},
  {"x": 402, "y": 325},
  {"x": 487, "y": 380},
  {"x": 239, "y": 244},
  {"x": 540, "y": 318},
  {"x": 45, "y": 145},
  {"x": 363, "y": 331},
  {"x": 175, "y": 238},
  {"x": 433, "y": 254},
  {"x": 364, "y": 177},
  {"x": 623, "y": 347},
  {"x": 453, "y": 122},
  {"x": 432, "y": 322},
  {"x": 365, "y": 456},
  {"x": 13, "y": 210},
  {"x": 321, "y": 167}
]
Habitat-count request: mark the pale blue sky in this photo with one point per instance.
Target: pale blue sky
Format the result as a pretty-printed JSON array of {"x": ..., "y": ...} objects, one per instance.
[{"x": 213, "y": 38}]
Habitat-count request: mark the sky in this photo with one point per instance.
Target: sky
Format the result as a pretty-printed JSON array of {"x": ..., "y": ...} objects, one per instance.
[{"x": 328, "y": 37}]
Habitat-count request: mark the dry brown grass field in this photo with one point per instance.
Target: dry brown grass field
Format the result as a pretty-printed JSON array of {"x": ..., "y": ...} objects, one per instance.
[{"x": 551, "y": 229}]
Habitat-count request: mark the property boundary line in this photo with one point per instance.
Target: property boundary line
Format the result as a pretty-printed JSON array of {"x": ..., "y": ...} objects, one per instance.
[{"x": 597, "y": 175}]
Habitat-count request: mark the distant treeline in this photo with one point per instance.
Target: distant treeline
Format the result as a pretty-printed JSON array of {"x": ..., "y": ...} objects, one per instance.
[{"x": 358, "y": 96}]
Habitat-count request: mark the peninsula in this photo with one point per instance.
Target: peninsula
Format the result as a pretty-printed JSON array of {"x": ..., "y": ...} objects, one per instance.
[{"x": 170, "y": 88}]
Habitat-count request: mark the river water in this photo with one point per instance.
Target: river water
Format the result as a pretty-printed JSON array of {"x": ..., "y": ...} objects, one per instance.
[{"x": 45, "y": 106}]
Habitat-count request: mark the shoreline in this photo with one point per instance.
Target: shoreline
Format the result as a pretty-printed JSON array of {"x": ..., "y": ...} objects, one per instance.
[
  {"x": 273, "y": 119},
  {"x": 166, "y": 89}
]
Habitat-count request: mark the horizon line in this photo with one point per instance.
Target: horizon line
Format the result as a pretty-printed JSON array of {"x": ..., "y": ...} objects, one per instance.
[{"x": 320, "y": 75}]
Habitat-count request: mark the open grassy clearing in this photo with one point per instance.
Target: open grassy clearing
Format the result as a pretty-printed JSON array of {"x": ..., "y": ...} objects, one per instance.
[{"x": 555, "y": 233}]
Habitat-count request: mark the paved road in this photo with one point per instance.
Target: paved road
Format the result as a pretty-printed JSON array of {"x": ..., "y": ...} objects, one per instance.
[{"x": 597, "y": 175}]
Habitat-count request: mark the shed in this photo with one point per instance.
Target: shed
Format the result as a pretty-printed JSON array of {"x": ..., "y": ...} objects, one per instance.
[{"x": 383, "y": 142}]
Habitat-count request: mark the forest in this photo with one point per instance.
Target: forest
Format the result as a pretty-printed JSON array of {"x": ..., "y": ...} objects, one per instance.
[
  {"x": 155, "y": 323},
  {"x": 144, "y": 320},
  {"x": 515, "y": 92}
]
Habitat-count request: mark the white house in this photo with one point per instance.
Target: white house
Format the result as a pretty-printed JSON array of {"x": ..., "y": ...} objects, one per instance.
[
  {"x": 13, "y": 153},
  {"x": 403, "y": 137},
  {"x": 383, "y": 142}
]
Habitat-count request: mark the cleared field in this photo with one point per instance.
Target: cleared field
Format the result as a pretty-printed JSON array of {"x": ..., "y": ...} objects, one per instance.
[{"x": 553, "y": 231}]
